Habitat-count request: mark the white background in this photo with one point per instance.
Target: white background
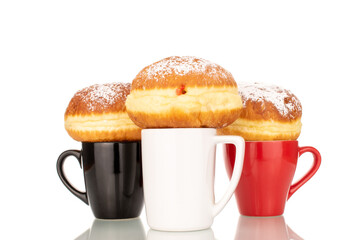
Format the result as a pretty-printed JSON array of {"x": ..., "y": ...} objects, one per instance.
[{"x": 51, "y": 49}]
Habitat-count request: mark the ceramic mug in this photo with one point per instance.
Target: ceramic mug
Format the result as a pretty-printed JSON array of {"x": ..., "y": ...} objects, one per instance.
[
  {"x": 269, "y": 168},
  {"x": 113, "y": 178},
  {"x": 179, "y": 171}
]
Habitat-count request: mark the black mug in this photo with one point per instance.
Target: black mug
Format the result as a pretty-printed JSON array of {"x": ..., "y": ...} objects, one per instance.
[{"x": 113, "y": 178}]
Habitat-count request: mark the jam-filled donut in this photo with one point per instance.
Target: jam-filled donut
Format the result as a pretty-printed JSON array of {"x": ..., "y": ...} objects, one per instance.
[
  {"x": 183, "y": 92},
  {"x": 98, "y": 114},
  {"x": 269, "y": 113}
]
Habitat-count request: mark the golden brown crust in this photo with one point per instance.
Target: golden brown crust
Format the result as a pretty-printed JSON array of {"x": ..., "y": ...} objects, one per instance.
[
  {"x": 180, "y": 119},
  {"x": 119, "y": 135},
  {"x": 98, "y": 114},
  {"x": 99, "y": 98},
  {"x": 251, "y": 137},
  {"x": 261, "y": 130},
  {"x": 174, "y": 72}
]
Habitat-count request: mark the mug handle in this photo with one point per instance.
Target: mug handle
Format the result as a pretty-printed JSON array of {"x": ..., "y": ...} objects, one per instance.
[
  {"x": 317, "y": 161},
  {"x": 60, "y": 170},
  {"x": 239, "y": 161}
]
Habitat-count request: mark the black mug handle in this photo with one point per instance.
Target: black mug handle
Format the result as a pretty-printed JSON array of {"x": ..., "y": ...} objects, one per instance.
[{"x": 60, "y": 170}]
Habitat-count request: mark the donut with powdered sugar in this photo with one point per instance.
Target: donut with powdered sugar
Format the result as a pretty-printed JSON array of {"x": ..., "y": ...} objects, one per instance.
[
  {"x": 98, "y": 114},
  {"x": 183, "y": 92},
  {"x": 269, "y": 113}
]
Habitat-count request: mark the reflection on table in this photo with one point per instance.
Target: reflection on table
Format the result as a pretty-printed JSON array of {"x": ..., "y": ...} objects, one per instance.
[
  {"x": 207, "y": 234},
  {"x": 132, "y": 229},
  {"x": 259, "y": 228}
]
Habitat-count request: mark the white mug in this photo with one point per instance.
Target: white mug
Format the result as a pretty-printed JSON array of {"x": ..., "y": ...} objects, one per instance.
[{"x": 179, "y": 172}]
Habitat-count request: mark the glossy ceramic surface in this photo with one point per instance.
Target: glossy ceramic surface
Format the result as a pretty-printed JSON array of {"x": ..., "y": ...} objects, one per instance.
[
  {"x": 113, "y": 178},
  {"x": 179, "y": 171},
  {"x": 268, "y": 171}
]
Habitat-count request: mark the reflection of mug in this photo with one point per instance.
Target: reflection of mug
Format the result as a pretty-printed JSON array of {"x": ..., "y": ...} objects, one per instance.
[
  {"x": 269, "y": 168},
  {"x": 179, "y": 171},
  {"x": 113, "y": 178},
  {"x": 253, "y": 228},
  {"x": 207, "y": 234},
  {"x": 131, "y": 229}
]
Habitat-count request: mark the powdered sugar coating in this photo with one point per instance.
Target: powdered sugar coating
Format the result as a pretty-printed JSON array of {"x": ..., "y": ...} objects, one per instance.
[
  {"x": 103, "y": 94},
  {"x": 99, "y": 98},
  {"x": 285, "y": 102},
  {"x": 182, "y": 66},
  {"x": 175, "y": 70}
]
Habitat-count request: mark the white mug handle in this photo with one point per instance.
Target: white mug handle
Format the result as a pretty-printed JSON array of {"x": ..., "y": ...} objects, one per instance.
[{"x": 239, "y": 160}]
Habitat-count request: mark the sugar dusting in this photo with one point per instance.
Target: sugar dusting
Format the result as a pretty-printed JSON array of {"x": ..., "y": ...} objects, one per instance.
[
  {"x": 283, "y": 100},
  {"x": 104, "y": 95},
  {"x": 182, "y": 66}
]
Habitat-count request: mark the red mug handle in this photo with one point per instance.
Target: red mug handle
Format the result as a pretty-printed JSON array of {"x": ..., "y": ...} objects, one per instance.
[{"x": 317, "y": 161}]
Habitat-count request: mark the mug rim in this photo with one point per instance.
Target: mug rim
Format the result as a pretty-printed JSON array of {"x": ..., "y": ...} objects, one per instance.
[
  {"x": 178, "y": 129},
  {"x": 113, "y": 142},
  {"x": 271, "y": 141}
]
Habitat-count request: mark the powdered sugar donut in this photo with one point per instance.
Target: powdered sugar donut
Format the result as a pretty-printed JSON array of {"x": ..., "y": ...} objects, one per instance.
[
  {"x": 183, "y": 92},
  {"x": 269, "y": 113},
  {"x": 98, "y": 114}
]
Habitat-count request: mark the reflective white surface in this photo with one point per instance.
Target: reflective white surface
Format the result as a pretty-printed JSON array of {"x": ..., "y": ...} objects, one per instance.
[
  {"x": 131, "y": 229},
  {"x": 256, "y": 228},
  {"x": 248, "y": 228},
  {"x": 206, "y": 234}
]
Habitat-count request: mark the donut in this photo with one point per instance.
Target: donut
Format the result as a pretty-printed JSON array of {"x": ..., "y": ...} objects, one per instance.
[
  {"x": 98, "y": 114},
  {"x": 183, "y": 92},
  {"x": 269, "y": 113}
]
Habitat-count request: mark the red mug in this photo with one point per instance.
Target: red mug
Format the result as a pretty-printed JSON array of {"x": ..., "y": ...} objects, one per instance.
[{"x": 268, "y": 170}]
